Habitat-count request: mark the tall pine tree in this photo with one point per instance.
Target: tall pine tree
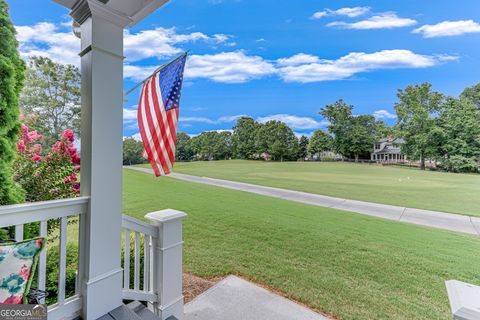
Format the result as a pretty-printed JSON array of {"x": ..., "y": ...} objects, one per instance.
[{"x": 11, "y": 81}]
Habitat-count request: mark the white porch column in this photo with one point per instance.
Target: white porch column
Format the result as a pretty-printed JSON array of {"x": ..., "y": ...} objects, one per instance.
[
  {"x": 167, "y": 276},
  {"x": 101, "y": 148}
]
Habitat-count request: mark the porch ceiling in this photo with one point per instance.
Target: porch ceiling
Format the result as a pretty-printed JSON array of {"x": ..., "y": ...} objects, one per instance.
[{"x": 135, "y": 10}]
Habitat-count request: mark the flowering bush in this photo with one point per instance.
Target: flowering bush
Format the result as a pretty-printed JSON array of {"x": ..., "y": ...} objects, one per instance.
[{"x": 51, "y": 176}]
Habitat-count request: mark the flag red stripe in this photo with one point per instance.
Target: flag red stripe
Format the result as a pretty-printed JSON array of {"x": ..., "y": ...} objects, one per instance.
[
  {"x": 163, "y": 129},
  {"x": 146, "y": 144},
  {"x": 153, "y": 130}
]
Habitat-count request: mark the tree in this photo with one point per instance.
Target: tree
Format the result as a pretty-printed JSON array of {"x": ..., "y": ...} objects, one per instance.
[
  {"x": 11, "y": 82},
  {"x": 339, "y": 115},
  {"x": 473, "y": 94},
  {"x": 383, "y": 130},
  {"x": 361, "y": 136},
  {"x": 132, "y": 152},
  {"x": 52, "y": 94},
  {"x": 459, "y": 135},
  {"x": 320, "y": 142},
  {"x": 416, "y": 108},
  {"x": 223, "y": 145},
  {"x": 183, "y": 151},
  {"x": 303, "y": 148},
  {"x": 278, "y": 140},
  {"x": 244, "y": 133}
]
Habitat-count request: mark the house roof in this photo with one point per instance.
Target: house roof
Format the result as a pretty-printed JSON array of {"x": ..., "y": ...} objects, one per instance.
[{"x": 135, "y": 10}]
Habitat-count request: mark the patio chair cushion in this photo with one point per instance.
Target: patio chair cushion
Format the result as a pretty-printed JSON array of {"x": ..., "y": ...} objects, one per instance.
[{"x": 18, "y": 262}]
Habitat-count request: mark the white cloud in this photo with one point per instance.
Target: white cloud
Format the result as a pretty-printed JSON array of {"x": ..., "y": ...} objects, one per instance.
[
  {"x": 129, "y": 114},
  {"x": 383, "y": 114},
  {"x": 57, "y": 42},
  {"x": 162, "y": 43},
  {"x": 298, "y": 59},
  {"x": 356, "y": 62},
  {"x": 385, "y": 20},
  {"x": 228, "y": 67},
  {"x": 48, "y": 40},
  {"x": 224, "y": 119},
  {"x": 448, "y": 28},
  {"x": 295, "y": 122},
  {"x": 349, "y": 12},
  {"x": 231, "y": 118},
  {"x": 196, "y": 119}
]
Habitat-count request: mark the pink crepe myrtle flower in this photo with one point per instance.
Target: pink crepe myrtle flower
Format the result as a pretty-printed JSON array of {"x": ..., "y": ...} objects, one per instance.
[
  {"x": 38, "y": 148},
  {"x": 37, "y": 174},
  {"x": 68, "y": 134},
  {"x": 36, "y": 158},
  {"x": 77, "y": 168},
  {"x": 21, "y": 145},
  {"x": 73, "y": 177},
  {"x": 24, "y": 128},
  {"x": 76, "y": 159},
  {"x": 76, "y": 186}
]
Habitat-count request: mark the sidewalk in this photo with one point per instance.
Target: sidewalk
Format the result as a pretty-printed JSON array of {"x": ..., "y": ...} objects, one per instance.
[
  {"x": 236, "y": 299},
  {"x": 435, "y": 219}
]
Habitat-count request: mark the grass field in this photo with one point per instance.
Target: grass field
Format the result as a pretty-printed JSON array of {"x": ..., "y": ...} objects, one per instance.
[
  {"x": 349, "y": 265},
  {"x": 448, "y": 192}
]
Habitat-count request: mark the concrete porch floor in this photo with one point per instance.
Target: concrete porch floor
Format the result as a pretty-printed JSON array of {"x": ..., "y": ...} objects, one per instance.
[{"x": 236, "y": 299}]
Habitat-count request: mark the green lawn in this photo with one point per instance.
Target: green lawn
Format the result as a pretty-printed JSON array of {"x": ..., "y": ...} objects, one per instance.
[
  {"x": 349, "y": 265},
  {"x": 457, "y": 193}
]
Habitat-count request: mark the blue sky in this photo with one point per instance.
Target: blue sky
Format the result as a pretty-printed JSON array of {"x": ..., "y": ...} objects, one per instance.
[{"x": 284, "y": 60}]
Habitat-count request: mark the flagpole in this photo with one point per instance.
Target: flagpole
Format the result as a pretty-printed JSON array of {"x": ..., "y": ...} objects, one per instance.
[{"x": 154, "y": 73}]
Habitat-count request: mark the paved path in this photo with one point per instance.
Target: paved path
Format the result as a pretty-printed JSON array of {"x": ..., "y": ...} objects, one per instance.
[
  {"x": 441, "y": 220},
  {"x": 236, "y": 299}
]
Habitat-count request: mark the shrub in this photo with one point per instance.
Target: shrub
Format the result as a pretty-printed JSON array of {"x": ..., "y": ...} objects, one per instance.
[{"x": 49, "y": 177}]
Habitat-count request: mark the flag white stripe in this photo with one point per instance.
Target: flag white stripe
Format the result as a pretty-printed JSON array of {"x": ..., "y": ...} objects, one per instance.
[
  {"x": 164, "y": 116},
  {"x": 147, "y": 130},
  {"x": 157, "y": 124}
]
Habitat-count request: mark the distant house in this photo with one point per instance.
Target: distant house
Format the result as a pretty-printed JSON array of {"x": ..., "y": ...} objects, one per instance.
[{"x": 388, "y": 150}]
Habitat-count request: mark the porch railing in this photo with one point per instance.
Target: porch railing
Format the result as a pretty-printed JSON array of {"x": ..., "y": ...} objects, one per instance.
[
  {"x": 152, "y": 254},
  {"x": 62, "y": 213},
  {"x": 152, "y": 262}
]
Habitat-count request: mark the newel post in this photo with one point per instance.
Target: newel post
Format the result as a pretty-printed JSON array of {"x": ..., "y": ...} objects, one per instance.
[{"x": 167, "y": 273}]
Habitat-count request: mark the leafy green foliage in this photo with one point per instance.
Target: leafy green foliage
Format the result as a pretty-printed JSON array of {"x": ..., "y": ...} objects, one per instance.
[
  {"x": 458, "y": 135},
  {"x": 244, "y": 135},
  {"x": 303, "y": 147},
  {"x": 320, "y": 142},
  {"x": 11, "y": 82},
  {"x": 473, "y": 94},
  {"x": 353, "y": 136},
  {"x": 212, "y": 145},
  {"x": 416, "y": 109},
  {"x": 183, "y": 151},
  {"x": 132, "y": 152},
  {"x": 278, "y": 140},
  {"x": 51, "y": 100}
]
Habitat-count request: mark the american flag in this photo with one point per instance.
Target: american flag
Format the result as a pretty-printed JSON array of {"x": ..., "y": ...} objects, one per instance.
[{"x": 158, "y": 115}]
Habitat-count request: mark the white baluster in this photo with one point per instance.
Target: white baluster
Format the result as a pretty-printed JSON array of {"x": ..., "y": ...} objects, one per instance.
[
  {"x": 126, "y": 260},
  {"x": 146, "y": 263},
  {"x": 42, "y": 261},
  {"x": 19, "y": 233},
  {"x": 62, "y": 264},
  {"x": 136, "y": 267}
]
